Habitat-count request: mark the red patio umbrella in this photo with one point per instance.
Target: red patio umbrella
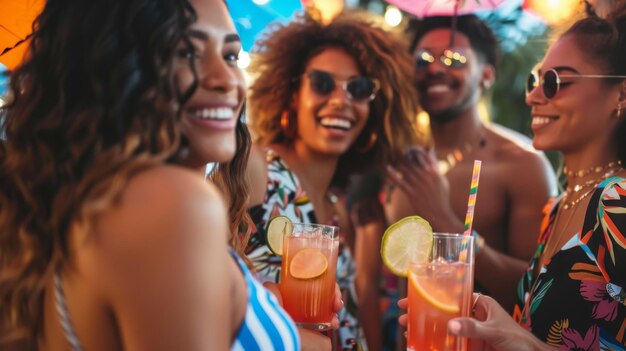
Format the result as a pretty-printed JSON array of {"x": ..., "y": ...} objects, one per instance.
[{"x": 16, "y": 25}]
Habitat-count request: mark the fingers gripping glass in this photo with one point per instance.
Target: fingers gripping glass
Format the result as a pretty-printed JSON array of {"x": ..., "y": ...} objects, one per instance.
[
  {"x": 359, "y": 88},
  {"x": 551, "y": 81},
  {"x": 449, "y": 58}
]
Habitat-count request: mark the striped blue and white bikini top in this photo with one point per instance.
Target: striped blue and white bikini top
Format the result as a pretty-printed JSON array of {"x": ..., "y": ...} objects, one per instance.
[{"x": 266, "y": 325}]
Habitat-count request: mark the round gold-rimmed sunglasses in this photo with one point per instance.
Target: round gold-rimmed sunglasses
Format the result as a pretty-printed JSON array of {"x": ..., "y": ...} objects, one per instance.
[{"x": 551, "y": 82}]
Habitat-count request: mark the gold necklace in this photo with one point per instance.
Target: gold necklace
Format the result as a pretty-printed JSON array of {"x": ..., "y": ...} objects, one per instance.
[
  {"x": 452, "y": 158},
  {"x": 572, "y": 204},
  {"x": 595, "y": 169},
  {"x": 579, "y": 187},
  {"x": 591, "y": 184}
]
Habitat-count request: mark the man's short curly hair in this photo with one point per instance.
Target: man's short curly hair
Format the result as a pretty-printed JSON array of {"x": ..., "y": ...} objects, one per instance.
[
  {"x": 281, "y": 56},
  {"x": 482, "y": 39}
]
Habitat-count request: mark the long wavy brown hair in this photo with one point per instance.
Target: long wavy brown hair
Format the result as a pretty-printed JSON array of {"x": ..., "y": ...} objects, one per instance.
[
  {"x": 95, "y": 102},
  {"x": 281, "y": 56},
  {"x": 230, "y": 178}
]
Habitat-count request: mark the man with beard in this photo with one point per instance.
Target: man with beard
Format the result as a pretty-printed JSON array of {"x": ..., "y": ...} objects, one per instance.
[{"x": 453, "y": 70}]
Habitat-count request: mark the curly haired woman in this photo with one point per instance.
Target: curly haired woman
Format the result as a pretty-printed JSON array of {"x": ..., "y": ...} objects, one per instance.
[{"x": 329, "y": 102}]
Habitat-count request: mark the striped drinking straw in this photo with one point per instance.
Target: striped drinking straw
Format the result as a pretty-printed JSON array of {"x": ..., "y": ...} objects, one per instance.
[{"x": 471, "y": 202}]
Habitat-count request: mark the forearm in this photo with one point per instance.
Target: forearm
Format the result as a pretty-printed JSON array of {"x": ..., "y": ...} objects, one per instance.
[
  {"x": 370, "y": 316},
  {"x": 369, "y": 224},
  {"x": 537, "y": 345},
  {"x": 499, "y": 274},
  {"x": 528, "y": 341},
  {"x": 367, "y": 288},
  {"x": 314, "y": 341}
]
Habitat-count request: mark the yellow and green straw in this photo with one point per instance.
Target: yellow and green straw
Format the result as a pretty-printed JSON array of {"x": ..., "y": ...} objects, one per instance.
[{"x": 471, "y": 202}]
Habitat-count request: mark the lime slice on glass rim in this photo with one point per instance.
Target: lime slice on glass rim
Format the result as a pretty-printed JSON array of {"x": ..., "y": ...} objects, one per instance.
[
  {"x": 409, "y": 239},
  {"x": 277, "y": 228}
]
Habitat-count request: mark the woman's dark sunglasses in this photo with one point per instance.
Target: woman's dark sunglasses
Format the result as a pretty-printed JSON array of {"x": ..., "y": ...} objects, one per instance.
[
  {"x": 450, "y": 58},
  {"x": 551, "y": 81},
  {"x": 359, "y": 88}
]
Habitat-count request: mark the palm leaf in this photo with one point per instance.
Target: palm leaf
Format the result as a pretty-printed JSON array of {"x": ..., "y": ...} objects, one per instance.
[
  {"x": 539, "y": 295},
  {"x": 554, "y": 334}
]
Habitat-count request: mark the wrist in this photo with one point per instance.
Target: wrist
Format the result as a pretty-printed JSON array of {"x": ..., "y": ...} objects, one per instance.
[
  {"x": 535, "y": 344},
  {"x": 479, "y": 242},
  {"x": 540, "y": 346}
]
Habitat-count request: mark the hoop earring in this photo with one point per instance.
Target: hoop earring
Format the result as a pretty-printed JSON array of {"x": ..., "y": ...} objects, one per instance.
[
  {"x": 286, "y": 126},
  {"x": 370, "y": 143}
]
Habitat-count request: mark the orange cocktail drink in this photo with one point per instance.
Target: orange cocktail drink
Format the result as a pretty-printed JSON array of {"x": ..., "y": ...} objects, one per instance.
[
  {"x": 308, "y": 275},
  {"x": 440, "y": 289}
]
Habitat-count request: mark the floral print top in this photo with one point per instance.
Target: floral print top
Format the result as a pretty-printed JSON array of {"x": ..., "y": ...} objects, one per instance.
[
  {"x": 285, "y": 196},
  {"x": 577, "y": 301}
]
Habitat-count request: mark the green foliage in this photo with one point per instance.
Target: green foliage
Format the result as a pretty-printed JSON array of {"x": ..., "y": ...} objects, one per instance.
[{"x": 506, "y": 99}]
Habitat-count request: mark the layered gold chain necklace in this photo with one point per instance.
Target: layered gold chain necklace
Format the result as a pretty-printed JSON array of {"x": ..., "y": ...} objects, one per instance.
[
  {"x": 586, "y": 188},
  {"x": 595, "y": 169}
]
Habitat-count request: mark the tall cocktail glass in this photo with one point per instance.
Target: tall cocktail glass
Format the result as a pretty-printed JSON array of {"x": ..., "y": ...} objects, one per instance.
[
  {"x": 440, "y": 289},
  {"x": 308, "y": 274}
]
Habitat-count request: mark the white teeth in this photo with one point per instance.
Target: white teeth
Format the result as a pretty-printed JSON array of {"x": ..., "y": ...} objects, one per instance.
[
  {"x": 335, "y": 123},
  {"x": 439, "y": 88},
  {"x": 214, "y": 113},
  {"x": 540, "y": 121}
]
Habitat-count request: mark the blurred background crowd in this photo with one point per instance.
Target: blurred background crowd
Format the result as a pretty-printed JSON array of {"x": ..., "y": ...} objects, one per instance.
[
  {"x": 522, "y": 26},
  {"x": 371, "y": 167}
]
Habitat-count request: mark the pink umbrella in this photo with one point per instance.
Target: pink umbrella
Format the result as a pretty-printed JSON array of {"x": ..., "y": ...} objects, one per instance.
[{"x": 425, "y": 8}]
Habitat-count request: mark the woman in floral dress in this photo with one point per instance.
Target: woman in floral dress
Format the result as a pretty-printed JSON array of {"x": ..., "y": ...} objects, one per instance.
[
  {"x": 329, "y": 101},
  {"x": 572, "y": 297}
]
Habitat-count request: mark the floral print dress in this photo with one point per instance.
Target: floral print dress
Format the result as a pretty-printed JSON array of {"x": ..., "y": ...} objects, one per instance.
[
  {"x": 285, "y": 196},
  {"x": 577, "y": 300}
]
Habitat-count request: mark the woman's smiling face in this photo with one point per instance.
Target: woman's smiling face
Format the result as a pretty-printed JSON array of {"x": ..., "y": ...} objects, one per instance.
[
  {"x": 582, "y": 113},
  {"x": 210, "y": 116},
  {"x": 329, "y": 124}
]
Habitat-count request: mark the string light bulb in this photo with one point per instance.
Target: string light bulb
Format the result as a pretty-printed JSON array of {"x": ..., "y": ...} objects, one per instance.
[{"x": 393, "y": 16}]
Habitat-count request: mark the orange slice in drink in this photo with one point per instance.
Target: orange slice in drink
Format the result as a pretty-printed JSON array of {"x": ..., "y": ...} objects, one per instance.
[
  {"x": 437, "y": 295},
  {"x": 308, "y": 264}
]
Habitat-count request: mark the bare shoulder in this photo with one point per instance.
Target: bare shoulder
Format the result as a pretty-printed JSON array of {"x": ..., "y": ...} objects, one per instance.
[
  {"x": 512, "y": 148},
  {"x": 160, "y": 209},
  {"x": 257, "y": 174},
  {"x": 176, "y": 193},
  {"x": 518, "y": 158},
  {"x": 177, "y": 182},
  {"x": 159, "y": 259}
]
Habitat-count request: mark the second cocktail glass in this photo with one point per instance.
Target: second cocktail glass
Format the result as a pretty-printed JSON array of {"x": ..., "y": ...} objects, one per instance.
[
  {"x": 308, "y": 274},
  {"x": 440, "y": 289}
]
